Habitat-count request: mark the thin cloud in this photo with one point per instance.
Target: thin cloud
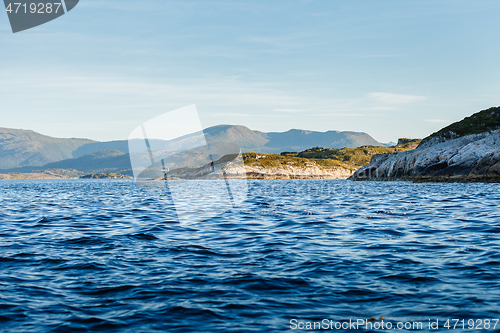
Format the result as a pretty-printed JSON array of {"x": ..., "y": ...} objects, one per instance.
[
  {"x": 388, "y": 98},
  {"x": 436, "y": 120},
  {"x": 348, "y": 114},
  {"x": 291, "y": 110}
]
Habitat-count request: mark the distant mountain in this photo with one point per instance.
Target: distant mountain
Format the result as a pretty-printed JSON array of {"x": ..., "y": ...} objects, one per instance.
[
  {"x": 299, "y": 140},
  {"x": 239, "y": 135},
  {"x": 103, "y": 161},
  {"x": 89, "y": 148},
  {"x": 27, "y": 148},
  {"x": 251, "y": 141},
  {"x": 20, "y": 148}
]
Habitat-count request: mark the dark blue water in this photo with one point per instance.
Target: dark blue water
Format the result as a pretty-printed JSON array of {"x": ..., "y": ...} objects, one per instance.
[{"x": 78, "y": 256}]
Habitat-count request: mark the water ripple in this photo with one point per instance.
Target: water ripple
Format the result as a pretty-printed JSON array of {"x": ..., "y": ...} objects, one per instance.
[{"x": 79, "y": 256}]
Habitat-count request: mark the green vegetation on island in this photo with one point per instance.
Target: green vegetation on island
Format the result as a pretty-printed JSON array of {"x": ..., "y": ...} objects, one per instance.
[
  {"x": 351, "y": 158},
  {"x": 109, "y": 175},
  {"x": 465, "y": 151},
  {"x": 313, "y": 163},
  {"x": 280, "y": 161},
  {"x": 483, "y": 121}
]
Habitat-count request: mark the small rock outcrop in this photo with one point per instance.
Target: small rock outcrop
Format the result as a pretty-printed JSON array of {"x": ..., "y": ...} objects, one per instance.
[
  {"x": 288, "y": 172},
  {"x": 109, "y": 175}
]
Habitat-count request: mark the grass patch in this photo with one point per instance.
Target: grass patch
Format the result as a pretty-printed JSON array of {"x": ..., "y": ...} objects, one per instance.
[
  {"x": 326, "y": 158},
  {"x": 280, "y": 161},
  {"x": 483, "y": 121}
]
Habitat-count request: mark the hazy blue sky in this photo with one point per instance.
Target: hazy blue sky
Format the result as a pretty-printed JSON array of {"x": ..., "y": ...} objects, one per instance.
[{"x": 389, "y": 68}]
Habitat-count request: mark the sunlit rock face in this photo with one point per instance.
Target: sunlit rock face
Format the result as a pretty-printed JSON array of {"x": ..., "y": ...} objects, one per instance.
[{"x": 469, "y": 155}]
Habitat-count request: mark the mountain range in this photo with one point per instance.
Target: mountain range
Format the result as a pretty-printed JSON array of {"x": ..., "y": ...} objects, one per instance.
[
  {"x": 255, "y": 141},
  {"x": 20, "y": 148},
  {"x": 25, "y": 151}
]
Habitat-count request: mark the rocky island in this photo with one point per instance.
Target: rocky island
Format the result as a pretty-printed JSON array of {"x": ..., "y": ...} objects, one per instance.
[
  {"x": 109, "y": 175},
  {"x": 317, "y": 162},
  {"x": 465, "y": 151},
  {"x": 313, "y": 163}
]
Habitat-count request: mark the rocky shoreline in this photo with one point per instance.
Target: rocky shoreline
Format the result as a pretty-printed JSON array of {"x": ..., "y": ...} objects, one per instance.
[
  {"x": 312, "y": 172},
  {"x": 238, "y": 171},
  {"x": 109, "y": 175},
  {"x": 465, "y": 151},
  {"x": 469, "y": 158}
]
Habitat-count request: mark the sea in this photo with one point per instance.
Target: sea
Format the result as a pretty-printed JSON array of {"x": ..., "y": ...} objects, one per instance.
[{"x": 295, "y": 256}]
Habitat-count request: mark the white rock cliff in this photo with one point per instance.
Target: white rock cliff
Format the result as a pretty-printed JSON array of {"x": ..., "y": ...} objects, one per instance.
[{"x": 470, "y": 155}]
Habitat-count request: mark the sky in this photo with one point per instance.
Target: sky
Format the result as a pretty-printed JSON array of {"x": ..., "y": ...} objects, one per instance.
[{"x": 388, "y": 68}]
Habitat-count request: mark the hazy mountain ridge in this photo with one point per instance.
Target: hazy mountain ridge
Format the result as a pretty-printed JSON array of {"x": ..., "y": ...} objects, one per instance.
[
  {"x": 90, "y": 148},
  {"x": 298, "y": 140},
  {"x": 240, "y": 135},
  {"x": 253, "y": 141},
  {"x": 103, "y": 161},
  {"x": 22, "y": 148}
]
